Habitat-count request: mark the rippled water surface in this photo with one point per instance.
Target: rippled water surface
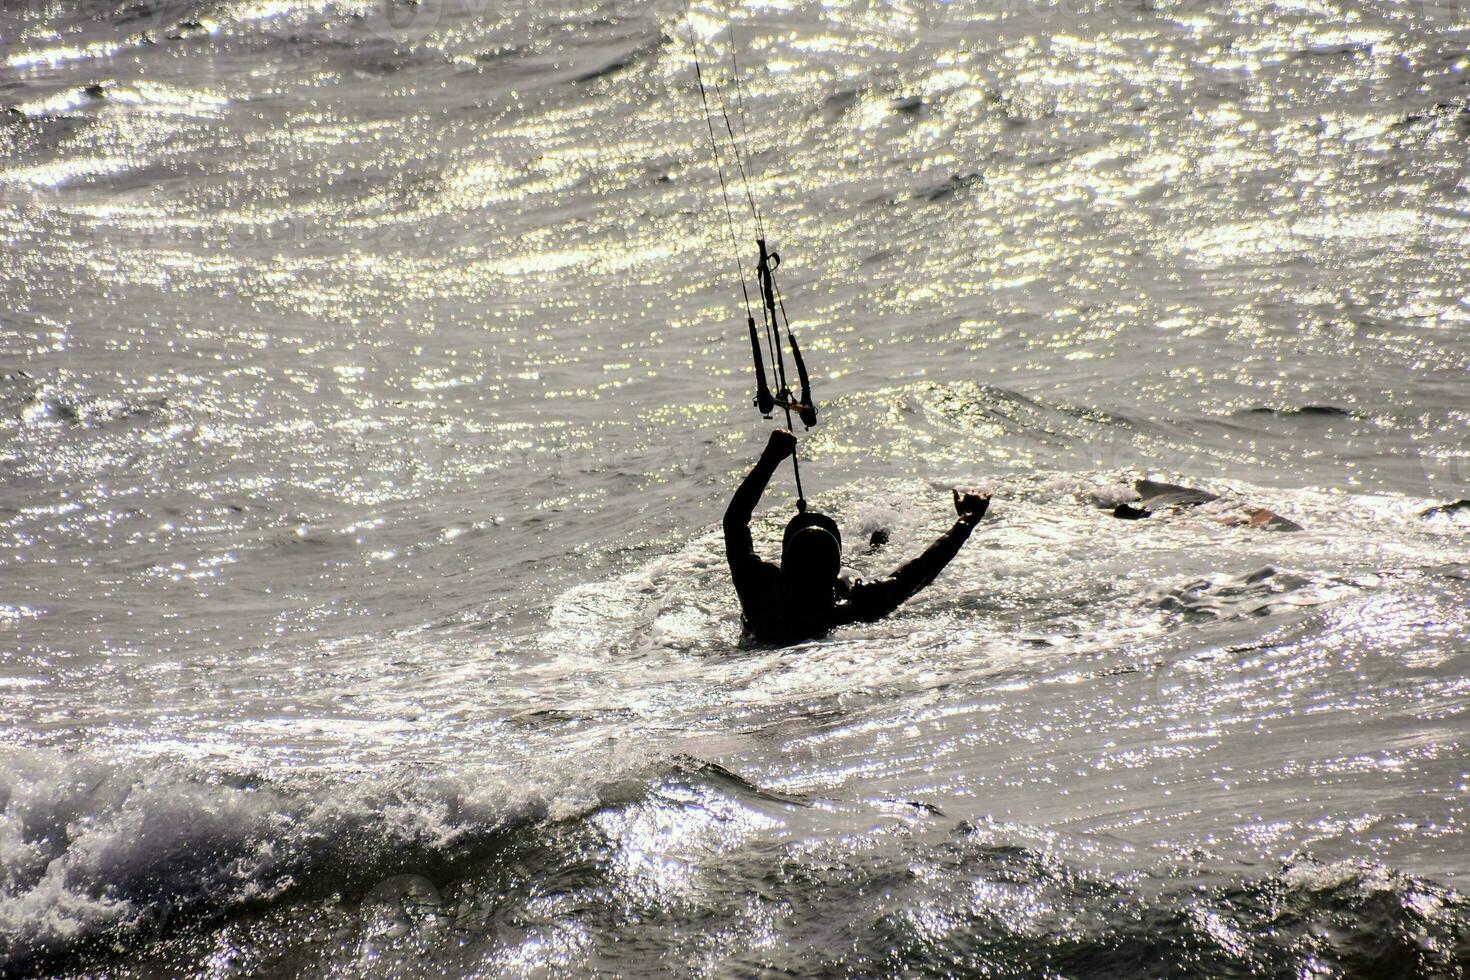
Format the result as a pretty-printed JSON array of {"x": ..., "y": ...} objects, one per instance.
[{"x": 373, "y": 377}]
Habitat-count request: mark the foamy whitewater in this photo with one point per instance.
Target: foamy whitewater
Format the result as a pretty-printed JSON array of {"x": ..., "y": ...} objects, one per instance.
[{"x": 373, "y": 377}]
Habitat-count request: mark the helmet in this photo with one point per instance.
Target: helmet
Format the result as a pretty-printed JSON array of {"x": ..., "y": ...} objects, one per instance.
[
  {"x": 810, "y": 518},
  {"x": 811, "y": 549}
]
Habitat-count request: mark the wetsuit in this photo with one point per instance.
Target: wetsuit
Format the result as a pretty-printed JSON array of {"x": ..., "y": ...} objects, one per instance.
[{"x": 775, "y": 611}]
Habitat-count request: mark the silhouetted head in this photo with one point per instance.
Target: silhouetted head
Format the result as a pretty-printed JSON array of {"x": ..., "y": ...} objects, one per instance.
[{"x": 811, "y": 555}]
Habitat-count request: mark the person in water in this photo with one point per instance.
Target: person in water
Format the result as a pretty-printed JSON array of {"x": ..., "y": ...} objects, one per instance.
[{"x": 804, "y": 596}]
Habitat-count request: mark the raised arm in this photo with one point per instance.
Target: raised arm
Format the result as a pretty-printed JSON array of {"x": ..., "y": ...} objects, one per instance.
[
  {"x": 739, "y": 548},
  {"x": 874, "y": 600}
]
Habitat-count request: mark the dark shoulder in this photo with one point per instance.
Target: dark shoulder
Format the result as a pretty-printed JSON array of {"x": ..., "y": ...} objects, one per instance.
[{"x": 754, "y": 577}]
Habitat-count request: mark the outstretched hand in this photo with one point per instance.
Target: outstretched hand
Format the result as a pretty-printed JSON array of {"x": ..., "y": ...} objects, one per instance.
[
  {"x": 970, "y": 506},
  {"x": 782, "y": 444}
]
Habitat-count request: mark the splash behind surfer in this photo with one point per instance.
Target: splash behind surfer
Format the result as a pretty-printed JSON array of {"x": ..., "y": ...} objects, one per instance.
[{"x": 804, "y": 597}]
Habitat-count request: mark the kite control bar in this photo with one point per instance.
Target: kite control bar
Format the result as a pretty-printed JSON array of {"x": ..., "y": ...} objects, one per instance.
[
  {"x": 766, "y": 402},
  {"x": 775, "y": 316},
  {"x": 773, "y": 310}
]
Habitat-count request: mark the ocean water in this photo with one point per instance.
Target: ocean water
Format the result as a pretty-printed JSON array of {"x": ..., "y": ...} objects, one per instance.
[{"x": 373, "y": 378}]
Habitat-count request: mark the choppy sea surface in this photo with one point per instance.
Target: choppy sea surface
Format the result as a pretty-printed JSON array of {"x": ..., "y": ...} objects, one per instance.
[{"x": 373, "y": 378}]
